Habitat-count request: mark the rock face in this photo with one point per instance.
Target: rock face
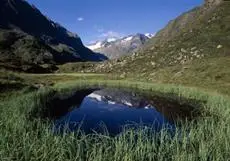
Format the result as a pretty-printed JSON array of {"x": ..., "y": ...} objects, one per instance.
[
  {"x": 28, "y": 37},
  {"x": 213, "y": 2},
  {"x": 120, "y": 47}
]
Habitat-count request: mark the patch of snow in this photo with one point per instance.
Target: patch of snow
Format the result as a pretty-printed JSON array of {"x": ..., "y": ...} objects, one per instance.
[
  {"x": 95, "y": 96},
  {"x": 95, "y": 46},
  {"x": 128, "y": 38},
  {"x": 149, "y": 35},
  {"x": 111, "y": 39}
]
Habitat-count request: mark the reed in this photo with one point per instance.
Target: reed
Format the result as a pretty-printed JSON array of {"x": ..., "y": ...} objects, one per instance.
[{"x": 21, "y": 138}]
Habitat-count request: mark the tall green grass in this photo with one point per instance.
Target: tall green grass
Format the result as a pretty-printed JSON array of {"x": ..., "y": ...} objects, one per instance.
[{"x": 22, "y": 139}]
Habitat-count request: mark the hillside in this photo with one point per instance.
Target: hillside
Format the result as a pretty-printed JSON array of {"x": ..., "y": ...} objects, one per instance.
[
  {"x": 120, "y": 47},
  {"x": 199, "y": 34},
  {"x": 197, "y": 55},
  {"x": 29, "y": 38}
]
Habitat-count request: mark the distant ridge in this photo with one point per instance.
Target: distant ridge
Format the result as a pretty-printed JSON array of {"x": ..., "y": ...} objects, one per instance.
[
  {"x": 116, "y": 48},
  {"x": 199, "y": 34},
  {"x": 29, "y": 38}
]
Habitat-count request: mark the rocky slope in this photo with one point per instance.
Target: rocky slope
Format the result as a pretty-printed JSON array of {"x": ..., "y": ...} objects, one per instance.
[
  {"x": 117, "y": 48},
  {"x": 29, "y": 39},
  {"x": 199, "y": 34}
]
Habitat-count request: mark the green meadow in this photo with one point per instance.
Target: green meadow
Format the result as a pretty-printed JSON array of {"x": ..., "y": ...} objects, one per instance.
[{"x": 26, "y": 137}]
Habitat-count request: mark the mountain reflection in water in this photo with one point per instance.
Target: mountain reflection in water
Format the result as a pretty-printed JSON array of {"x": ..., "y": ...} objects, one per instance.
[{"x": 112, "y": 110}]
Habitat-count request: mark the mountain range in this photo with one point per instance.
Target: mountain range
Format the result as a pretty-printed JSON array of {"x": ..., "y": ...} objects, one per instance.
[
  {"x": 201, "y": 34},
  {"x": 28, "y": 39},
  {"x": 116, "y": 48}
]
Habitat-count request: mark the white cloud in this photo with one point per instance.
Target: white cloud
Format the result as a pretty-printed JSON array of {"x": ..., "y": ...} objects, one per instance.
[
  {"x": 103, "y": 34},
  {"x": 111, "y": 34},
  {"x": 80, "y": 19}
]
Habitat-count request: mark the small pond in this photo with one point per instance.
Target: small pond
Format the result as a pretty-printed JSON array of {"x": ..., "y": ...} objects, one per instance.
[{"x": 112, "y": 110}]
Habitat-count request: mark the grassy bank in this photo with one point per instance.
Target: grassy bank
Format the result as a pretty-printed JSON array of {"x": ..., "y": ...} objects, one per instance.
[
  {"x": 209, "y": 73},
  {"x": 23, "y": 139}
]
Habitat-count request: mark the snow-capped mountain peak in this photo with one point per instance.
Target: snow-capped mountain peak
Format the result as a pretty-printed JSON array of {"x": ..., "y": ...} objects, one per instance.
[
  {"x": 95, "y": 46},
  {"x": 149, "y": 35},
  {"x": 128, "y": 38},
  {"x": 100, "y": 44},
  {"x": 116, "y": 47},
  {"x": 111, "y": 39}
]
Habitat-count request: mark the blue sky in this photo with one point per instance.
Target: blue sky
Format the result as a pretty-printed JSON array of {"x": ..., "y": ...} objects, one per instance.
[{"x": 99, "y": 19}]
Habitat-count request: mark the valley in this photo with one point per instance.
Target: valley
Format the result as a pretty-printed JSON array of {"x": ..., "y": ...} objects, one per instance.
[{"x": 63, "y": 100}]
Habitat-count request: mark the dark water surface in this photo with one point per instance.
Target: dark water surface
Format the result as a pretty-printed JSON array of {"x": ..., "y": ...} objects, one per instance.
[{"x": 112, "y": 110}]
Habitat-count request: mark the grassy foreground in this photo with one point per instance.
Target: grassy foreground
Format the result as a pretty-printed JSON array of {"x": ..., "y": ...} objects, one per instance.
[{"x": 22, "y": 139}]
